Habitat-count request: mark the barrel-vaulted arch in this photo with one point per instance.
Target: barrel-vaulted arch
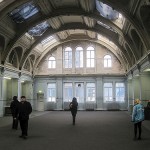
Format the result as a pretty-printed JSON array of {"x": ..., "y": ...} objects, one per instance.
[
  {"x": 23, "y": 28},
  {"x": 13, "y": 59},
  {"x": 120, "y": 7},
  {"x": 138, "y": 43},
  {"x": 97, "y": 29},
  {"x": 122, "y": 59},
  {"x": 117, "y": 5},
  {"x": 27, "y": 65},
  {"x": 72, "y": 11},
  {"x": 145, "y": 17},
  {"x": 2, "y": 43}
]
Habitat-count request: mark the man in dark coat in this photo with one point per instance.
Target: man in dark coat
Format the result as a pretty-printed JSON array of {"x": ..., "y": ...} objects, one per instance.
[
  {"x": 73, "y": 107},
  {"x": 23, "y": 111},
  {"x": 13, "y": 107}
]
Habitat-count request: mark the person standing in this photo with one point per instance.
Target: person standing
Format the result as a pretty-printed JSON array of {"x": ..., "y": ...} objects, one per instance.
[
  {"x": 13, "y": 107},
  {"x": 23, "y": 111},
  {"x": 137, "y": 118},
  {"x": 73, "y": 107}
]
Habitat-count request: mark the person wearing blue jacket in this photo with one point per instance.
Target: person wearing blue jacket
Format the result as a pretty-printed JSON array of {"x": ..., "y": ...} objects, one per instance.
[{"x": 137, "y": 118}]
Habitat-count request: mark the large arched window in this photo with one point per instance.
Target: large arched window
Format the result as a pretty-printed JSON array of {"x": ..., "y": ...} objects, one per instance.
[
  {"x": 107, "y": 61},
  {"x": 90, "y": 56},
  {"x": 52, "y": 62},
  {"x": 79, "y": 57},
  {"x": 68, "y": 57}
]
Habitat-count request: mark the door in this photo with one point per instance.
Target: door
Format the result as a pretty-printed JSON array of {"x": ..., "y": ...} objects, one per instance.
[
  {"x": 40, "y": 101},
  {"x": 79, "y": 94}
]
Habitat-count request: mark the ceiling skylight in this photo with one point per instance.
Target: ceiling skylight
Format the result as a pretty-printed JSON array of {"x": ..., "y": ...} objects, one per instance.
[
  {"x": 39, "y": 29},
  {"x": 106, "y": 11},
  {"x": 106, "y": 26},
  {"x": 23, "y": 12},
  {"x": 47, "y": 40}
]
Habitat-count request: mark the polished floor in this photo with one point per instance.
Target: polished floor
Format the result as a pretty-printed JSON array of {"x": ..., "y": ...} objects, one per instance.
[{"x": 94, "y": 130}]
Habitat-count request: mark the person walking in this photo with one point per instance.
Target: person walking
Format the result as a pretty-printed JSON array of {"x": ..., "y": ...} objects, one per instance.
[
  {"x": 24, "y": 109},
  {"x": 73, "y": 107},
  {"x": 13, "y": 107},
  {"x": 137, "y": 118}
]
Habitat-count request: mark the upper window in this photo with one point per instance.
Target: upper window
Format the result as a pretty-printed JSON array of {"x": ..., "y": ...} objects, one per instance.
[
  {"x": 52, "y": 62},
  {"x": 79, "y": 57},
  {"x": 68, "y": 57},
  {"x": 90, "y": 56},
  {"x": 23, "y": 12},
  {"x": 107, "y": 61},
  {"x": 120, "y": 92}
]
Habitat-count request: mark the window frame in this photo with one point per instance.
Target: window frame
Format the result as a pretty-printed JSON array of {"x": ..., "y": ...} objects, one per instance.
[
  {"x": 107, "y": 61},
  {"x": 93, "y": 92},
  {"x": 90, "y": 61},
  {"x": 67, "y": 58},
  {"x": 110, "y": 92},
  {"x": 79, "y": 59},
  {"x": 49, "y": 90},
  {"x": 120, "y": 88},
  {"x": 51, "y": 63}
]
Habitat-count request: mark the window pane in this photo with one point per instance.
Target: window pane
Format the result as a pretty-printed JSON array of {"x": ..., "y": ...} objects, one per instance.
[
  {"x": 90, "y": 92},
  {"x": 79, "y": 92},
  {"x": 108, "y": 92},
  {"x": 52, "y": 92},
  {"x": 88, "y": 63},
  {"x": 92, "y": 62},
  {"x": 68, "y": 92},
  {"x": 92, "y": 54},
  {"x": 68, "y": 57},
  {"x": 88, "y": 54},
  {"x": 109, "y": 63},
  {"x": 120, "y": 92},
  {"x": 51, "y": 62}
]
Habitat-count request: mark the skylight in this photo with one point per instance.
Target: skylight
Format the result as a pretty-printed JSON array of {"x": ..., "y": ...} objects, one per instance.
[
  {"x": 23, "y": 12},
  {"x": 106, "y": 26},
  {"x": 106, "y": 11},
  {"x": 39, "y": 29},
  {"x": 47, "y": 40}
]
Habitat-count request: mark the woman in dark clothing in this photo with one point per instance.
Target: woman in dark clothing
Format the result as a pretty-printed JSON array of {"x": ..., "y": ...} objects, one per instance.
[
  {"x": 73, "y": 107},
  {"x": 13, "y": 107},
  {"x": 23, "y": 111}
]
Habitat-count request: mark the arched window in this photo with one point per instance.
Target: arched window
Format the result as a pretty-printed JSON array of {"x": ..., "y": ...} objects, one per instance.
[
  {"x": 90, "y": 56},
  {"x": 68, "y": 57},
  {"x": 52, "y": 62},
  {"x": 79, "y": 57},
  {"x": 107, "y": 61}
]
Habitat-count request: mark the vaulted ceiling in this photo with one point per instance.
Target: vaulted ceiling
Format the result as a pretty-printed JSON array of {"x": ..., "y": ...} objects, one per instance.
[{"x": 31, "y": 29}]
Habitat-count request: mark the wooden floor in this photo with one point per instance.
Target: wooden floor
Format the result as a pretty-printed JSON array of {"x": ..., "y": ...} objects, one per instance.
[{"x": 94, "y": 130}]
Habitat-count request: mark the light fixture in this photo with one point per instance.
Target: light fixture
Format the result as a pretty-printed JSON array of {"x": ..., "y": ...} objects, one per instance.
[
  {"x": 40, "y": 91},
  {"x": 137, "y": 75},
  {"x": 7, "y": 78},
  {"x": 147, "y": 70},
  {"x": 22, "y": 81}
]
